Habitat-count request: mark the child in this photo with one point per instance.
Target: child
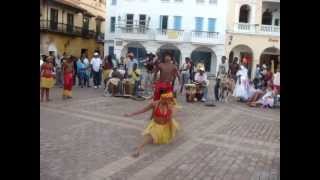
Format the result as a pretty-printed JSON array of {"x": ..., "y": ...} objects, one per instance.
[{"x": 47, "y": 77}]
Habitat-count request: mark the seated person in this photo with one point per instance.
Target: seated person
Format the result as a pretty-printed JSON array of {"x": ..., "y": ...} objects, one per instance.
[
  {"x": 267, "y": 99},
  {"x": 202, "y": 80},
  {"x": 135, "y": 77}
]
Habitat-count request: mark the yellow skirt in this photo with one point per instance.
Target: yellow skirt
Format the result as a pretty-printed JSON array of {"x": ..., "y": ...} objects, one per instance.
[
  {"x": 162, "y": 133},
  {"x": 105, "y": 74},
  {"x": 47, "y": 82}
]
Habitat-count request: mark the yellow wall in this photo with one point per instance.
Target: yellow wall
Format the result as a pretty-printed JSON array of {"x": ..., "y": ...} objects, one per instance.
[{"x": 70, "y": 45}]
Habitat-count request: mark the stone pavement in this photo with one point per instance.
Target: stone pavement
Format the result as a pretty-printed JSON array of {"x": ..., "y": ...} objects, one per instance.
[{"x": 87, "y": 138}]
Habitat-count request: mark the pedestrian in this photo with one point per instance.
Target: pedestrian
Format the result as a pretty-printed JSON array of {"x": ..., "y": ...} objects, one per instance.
[
  {"x": 268, "y": 75},
  {"x": 96, "y": 63},
  {"x": 258, "y": 77},
  {"x": 87, "y": 70},
  {"x": 75, "y": 75},
  {"x": 47, "y": 77},
  {"x": 81, "y": 70},
  {"x": 168, "y": 72},
  {"x": 59, "y": 70},
  {"x": 148, "y": 78},
  {"x": 185, "y": 73},
  {"x": 162, "y": 127},
  {"x": 276, "y": 81},
  {"x": 192, "y": 71},
  {"x": 233, "y": 69},
  {"x": 68, "y": 70},
  {"x": 107, "y": 67},
  {"x": 131, "y": 61},
  {"x": 221, "y": 76}
]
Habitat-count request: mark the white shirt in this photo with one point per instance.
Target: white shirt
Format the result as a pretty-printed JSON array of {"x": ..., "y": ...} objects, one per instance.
[
  {"x": 200, "y": 78},
  {"x": 130, "y": 65},
  {"x": 96, "y": 64},
  {"x": 276, "y": 80}
]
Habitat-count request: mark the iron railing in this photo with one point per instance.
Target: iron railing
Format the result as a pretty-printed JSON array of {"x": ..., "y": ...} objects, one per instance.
[{"x": 69, "y": 29}]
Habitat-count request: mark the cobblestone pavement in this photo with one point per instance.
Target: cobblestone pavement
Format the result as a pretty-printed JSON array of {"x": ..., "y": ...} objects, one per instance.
[{"x": 87, "y": 138}]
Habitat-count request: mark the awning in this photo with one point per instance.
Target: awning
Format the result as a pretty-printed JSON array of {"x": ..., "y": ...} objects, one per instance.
[
  {"x": 70, "y": 5},
  {"x": 100, "y": 18}
]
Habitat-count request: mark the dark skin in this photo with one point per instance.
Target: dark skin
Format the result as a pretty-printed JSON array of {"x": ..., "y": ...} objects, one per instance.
[
  {"x": 168, "y": 71},
  {"x": 164, "y": 105},
  {"x": 49, "y": 61}
]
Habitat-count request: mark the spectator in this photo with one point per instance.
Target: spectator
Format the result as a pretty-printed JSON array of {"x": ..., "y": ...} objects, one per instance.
[{"x": 96, "y": 63}]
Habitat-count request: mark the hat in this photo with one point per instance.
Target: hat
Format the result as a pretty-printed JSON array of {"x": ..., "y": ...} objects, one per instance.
[
  {"x": 96, "y": 54},
  {"x": 264, "y": 66},
  {"x": 201, "y": 68}
]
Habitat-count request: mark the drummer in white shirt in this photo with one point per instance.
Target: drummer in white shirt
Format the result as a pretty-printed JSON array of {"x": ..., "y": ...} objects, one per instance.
[{"x": 201, "y": 77}]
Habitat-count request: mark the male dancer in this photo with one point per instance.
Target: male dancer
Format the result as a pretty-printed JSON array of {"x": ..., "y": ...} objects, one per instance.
[{"x": 168, "y": 72}]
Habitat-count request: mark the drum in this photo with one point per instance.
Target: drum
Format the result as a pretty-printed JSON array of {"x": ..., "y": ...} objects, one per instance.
[
  {"x": 128, "y": 87},
  {"x": 199, "y": 91},
  {"x": 190, "y": 92},
  {"x": 113, "y": 86}
]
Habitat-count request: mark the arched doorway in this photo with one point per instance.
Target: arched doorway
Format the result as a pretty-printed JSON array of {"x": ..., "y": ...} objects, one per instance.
[
  {"x": 206, "y": 56},
  {"x": 271, "y": 57},
  {"x": 244, "y": 15},
  {"x": 136, "y": 48},
  {"x": 267, "y": 17},
  {"x": 245, "y": 55},
  {"x": 171, "y": 49}
]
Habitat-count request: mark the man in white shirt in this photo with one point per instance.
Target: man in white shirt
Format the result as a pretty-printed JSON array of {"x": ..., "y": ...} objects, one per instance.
[
  {"x": 185, "y": 73},
  {"x": 96, "y": 64},
  {"x": 202, "y": 79}
]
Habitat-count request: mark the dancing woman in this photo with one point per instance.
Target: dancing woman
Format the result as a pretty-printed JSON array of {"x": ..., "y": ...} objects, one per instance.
[
  {"x": 162, "y": 127},
  {"x": 68, "y": 70}
]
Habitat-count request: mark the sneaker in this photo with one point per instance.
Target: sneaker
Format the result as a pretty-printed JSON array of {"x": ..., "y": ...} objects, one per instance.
[
  {"x": 203, "y": 100},
  {"x": 95, "y": 87}
]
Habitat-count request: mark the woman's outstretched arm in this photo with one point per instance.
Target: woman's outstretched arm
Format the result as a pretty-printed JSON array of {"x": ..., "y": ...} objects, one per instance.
[{"x": 145, "y": 109}]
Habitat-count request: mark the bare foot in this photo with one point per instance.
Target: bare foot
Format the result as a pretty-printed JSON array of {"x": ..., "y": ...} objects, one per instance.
[{"x": 136, "y": 153}]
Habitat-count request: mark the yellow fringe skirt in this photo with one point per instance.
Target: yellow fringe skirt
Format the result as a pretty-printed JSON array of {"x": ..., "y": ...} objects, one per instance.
[
  {"x": 162, "y": 133},
  {"x": 47, "y": 82},
  {"x": 105, "y": 74}
]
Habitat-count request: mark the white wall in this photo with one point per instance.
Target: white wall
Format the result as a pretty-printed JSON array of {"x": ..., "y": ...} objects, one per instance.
[{"x": 188, "y": 9}]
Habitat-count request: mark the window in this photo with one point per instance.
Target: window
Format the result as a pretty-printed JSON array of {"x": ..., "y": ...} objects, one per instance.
[
  {"x": 213, "y": 1},
  {"x": 244, "y": 14},
  {"x": 54, "y": 19},
  {"x": 163, "y": 22},
  {"x": 129, "y": 22},
  {"x": 85, "y": 27},
  {"x": 277, "y": 22},
  {"x": 177, "y": 22},
  {"x": 70, "y": 22},
  {"x": 113, "y": 2},
  {"x": 178, "y": 0},
  {"x": 112, "y": 24},
  {"x": 98, "y": 26},
  {"x": 200, "y": 1},
  {"x": 165, "y": 0},
  {"x": 199, "y": 23},
  {"x": 267, "y": 17},
  {"x": 142, "y": 23},
  {"x": 211, "y": 25}
]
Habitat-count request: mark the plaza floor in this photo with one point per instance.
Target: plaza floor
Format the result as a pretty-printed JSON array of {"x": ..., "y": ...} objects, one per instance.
[{"x": 87, "y": 138}]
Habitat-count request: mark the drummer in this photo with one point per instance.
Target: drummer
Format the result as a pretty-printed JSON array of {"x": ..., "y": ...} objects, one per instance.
[{"x": 202, "y": 79}]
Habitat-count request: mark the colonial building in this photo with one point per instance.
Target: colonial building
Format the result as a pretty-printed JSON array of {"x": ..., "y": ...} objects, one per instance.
[
  {"x": 186, "y": 28},
  {"x": 72, "y": 26},
  {"x": 253, "y": 32}
]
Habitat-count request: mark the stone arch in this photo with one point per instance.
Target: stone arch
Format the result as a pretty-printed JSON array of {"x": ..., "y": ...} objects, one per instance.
[{"x": 207, "y": 56}]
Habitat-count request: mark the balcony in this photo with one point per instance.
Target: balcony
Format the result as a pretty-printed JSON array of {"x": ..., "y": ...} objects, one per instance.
[
  {"x": 67, "y": 29},
  {"x": 205, "y": 37},
  {"x": 270, "y": 29},
  {"x": 131, "y": 32},
  {"x": 257, "y": 29},
  {"x": 170, "y": 35}
]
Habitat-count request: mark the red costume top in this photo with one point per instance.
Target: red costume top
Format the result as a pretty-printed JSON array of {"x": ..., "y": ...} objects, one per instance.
[{"x": 47, "y": 70}]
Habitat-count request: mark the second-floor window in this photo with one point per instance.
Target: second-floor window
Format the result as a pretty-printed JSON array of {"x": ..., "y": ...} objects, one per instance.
[
  {"x": 177, "y": 22},
  {"x": 244, "y": 14},
  {"x": 129, "y": 22},
  {"x": 113, "y": 2},
  {"x": 70, "y": 22},
  {"x": 112, "y": 24},
  {"x": 98, "y": 26},
  {"x": 200, "y": 1},
  {"x": 163, "y": 22},
  {"x": 53, "y": 19},
  {"x": 85, "y": 25},
  {"x": 267, "y": 17},
  {"x": 211, "y": 25},
  {"x": 199, "y": 23}
]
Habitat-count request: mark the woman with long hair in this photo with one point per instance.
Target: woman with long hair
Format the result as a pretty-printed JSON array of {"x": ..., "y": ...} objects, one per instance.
[{"x": 162, "y": 127}]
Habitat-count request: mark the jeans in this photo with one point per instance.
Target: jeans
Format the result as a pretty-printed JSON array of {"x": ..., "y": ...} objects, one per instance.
[
  {"x": 96, "y": 78},
  {"x": 82, "y": 77},
  {"x": 185, "y": 80}
]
